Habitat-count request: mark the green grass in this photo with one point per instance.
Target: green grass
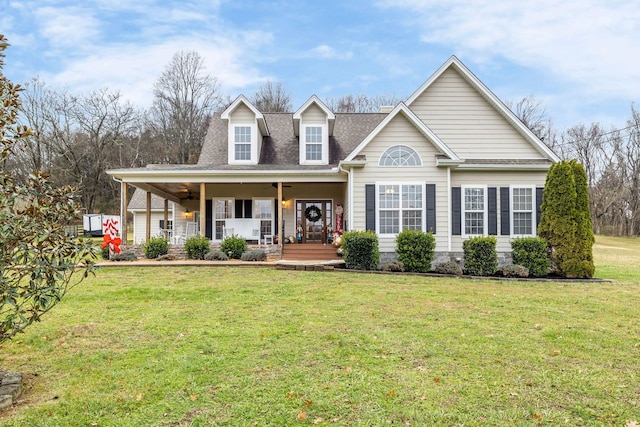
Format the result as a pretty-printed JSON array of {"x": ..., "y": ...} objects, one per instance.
[{"x": 234, "y": 346}]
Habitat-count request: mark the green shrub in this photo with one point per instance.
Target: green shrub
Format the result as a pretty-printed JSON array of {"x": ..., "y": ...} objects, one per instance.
[
  {"x": 361, "y": 250},
  {"x": 216, "y": 255},
  {"x": 155, "y": 247},
  {"x": 583, "y": 265},
  {"x": 531, "y": 252},
  {"x": 448, "y": 267},
  {"x": 104, "y": 252},
  {"x": 416, "y": 250},
  {"x": 394, "y": 266},
  {"x": 234, "y": 246},
  {"x": 480, "y": 256},
  {"x": 565, "y": 220},
  {"x": 514, "y": 270},
  {"x": 197, "y": 247},
  {"x": 124, "y": 256},
  {"x": 255, "y": 255}
]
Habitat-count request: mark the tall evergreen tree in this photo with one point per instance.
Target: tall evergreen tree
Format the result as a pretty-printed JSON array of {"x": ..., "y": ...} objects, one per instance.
[
  {"x": 566, "y": 222},
  {"x": 584, "y": 266}
]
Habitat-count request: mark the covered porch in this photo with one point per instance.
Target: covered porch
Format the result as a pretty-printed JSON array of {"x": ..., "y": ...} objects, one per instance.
[{"x": 265, "y": 210}]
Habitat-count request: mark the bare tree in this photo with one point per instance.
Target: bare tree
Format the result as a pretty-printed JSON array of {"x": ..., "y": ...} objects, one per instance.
[
  {"x": 533, "y": 114},
  {"x": 76, "y": 138},
  {"x": 185, "y": 98},
  {"x": 272, "y": 98},
  {"x": 361, "y": 103}
]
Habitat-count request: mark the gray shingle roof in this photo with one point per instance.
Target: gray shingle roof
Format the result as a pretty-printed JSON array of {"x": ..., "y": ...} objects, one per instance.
[
  {"x": 139, "y": 201},
  {"x": 280, "y": 149}
]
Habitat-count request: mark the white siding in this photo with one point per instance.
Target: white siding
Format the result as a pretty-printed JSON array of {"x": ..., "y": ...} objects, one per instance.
[
  {"x": 242, "y": 114},
  {"x": 399, "y": 131},
  {"x": 467, "y": 122},
  {"x": 313, "y": 115},
  {"x": 140, "y": 228}
]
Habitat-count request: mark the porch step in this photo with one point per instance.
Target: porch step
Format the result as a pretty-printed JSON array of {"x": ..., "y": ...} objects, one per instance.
[{"x": 309, "y": 252}]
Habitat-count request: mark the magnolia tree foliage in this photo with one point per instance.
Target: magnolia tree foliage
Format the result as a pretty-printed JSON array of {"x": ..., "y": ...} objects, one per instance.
[
  {"x": 39, "y": 262},
  {"x": 566, "y": 221}
]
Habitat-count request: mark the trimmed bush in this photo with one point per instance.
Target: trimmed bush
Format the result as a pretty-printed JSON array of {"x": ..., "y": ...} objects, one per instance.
[
  {"x": 197, "y": 247},
  {"x": 361, "y": 250},
  {"x": 216, "y": 255},
  {"x": 234, "y": 247},
  {"x": 393, "y": 266},
  {"x": 531, "y": 252},
  {"x": 416, "y": 250},
  {"x": 480, "y": 256},
  {"x": 124, "y": 256},
  {"x": 513, "y": 270},
  {"x": 448, "y": 267},
  {"x": 155, "y": 247},
  {"x": 255, "y": 255},
  {"x": 104, "y": 252}
]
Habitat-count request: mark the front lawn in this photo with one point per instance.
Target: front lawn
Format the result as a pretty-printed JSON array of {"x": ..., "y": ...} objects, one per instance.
[{"x": 172, "y": 346}]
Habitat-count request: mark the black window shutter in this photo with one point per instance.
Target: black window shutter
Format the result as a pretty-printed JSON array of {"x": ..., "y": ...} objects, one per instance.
[
  {"x": 539, "y": 192},
  {"x": 239, "y": 203},
  {"x": 370, "y": 206},
  {"x": 161, "y": 224},
  {"x": 208, "y": 220},
  {"x": 431, "y": 208},
  {"x": 456, "y": 211},
  {"x": 493, "y": 211},
  {"x": 248, "y": 204},
  {"x": 275, "y": 217},
  {"x": 505, "y": 206}
]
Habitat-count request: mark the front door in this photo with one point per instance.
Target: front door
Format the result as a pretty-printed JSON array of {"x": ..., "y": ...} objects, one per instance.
[{"x": 312, "y": 219}]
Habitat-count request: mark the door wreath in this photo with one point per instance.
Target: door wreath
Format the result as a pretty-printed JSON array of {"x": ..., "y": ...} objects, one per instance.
[{"x": 312, "y": 213}]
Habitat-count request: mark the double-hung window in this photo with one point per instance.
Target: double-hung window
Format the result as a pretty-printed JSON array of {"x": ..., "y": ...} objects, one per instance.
[
  {"x": 242, "y": 143},
  {"x": 522, "y": 211},
  {"x": 474, "y": 210},
  {"x": 313, "y": 143},
  {"x": 400, "y": 206}
]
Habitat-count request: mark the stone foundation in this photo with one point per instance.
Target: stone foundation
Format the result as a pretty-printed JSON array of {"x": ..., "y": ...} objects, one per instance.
[
  {"x": 274, "y": 252},
  {"x": 10, "y": 388}
]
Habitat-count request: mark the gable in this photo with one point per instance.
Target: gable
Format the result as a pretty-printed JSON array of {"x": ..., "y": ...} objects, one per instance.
[
  {"x": 313, "y": 115},
  {"x": 242, "y": 114},
  {"x": 399, "y": 131},
  {"x": 402, "y": 110},
  {"x": 467, "y": 122}
]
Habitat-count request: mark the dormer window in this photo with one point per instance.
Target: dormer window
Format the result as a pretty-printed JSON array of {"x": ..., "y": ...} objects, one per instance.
[
  {"x": 313, "y": 124},
  {"x": 242, "y": 143},
  {"x": 246, "y": 129},
  {"x": 313, "y": 143}
]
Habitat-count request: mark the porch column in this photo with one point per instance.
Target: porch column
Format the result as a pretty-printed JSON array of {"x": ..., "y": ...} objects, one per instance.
[
  {"x": 203, "y": 208},
  {"x": 280, "y": 213},
  {"x": 148, "y": 231},
  {"x": 166, "y": 219},
  {"x": 123, "y": 212}
]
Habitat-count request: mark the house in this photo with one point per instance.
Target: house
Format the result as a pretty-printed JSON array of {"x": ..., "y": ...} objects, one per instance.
[{"x": 451, "y": 159}]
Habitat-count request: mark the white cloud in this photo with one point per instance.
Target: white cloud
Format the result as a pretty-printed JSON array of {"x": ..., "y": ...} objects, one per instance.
[
  {"x": 592, "y": 43},
  {"x": 132, "y": 69},
  {"x": 66, "y": 27}
]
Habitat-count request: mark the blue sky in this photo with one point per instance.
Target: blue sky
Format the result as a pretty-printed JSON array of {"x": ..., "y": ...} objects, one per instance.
[{"x": 580, "y": 57}]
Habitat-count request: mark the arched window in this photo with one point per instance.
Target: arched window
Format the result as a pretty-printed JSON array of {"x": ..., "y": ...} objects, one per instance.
[{"x": 400, "y": 155}]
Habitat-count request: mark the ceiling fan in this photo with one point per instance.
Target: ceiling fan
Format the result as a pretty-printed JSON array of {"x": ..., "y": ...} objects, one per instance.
[{"x": 189, "y": 196}]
